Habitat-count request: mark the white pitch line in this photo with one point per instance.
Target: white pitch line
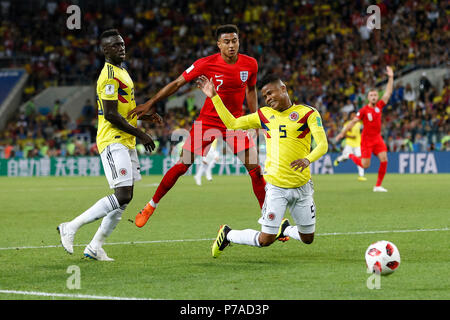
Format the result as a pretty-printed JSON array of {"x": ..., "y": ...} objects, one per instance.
[
  {"x": 210, "y": 239},
  {"x": 64, "y": 295}
]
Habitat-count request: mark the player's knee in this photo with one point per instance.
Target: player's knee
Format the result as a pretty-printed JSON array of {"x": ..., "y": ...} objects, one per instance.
[
  {"x": 266, "y": 240},
  {"x": 124, "y": 195},
  {"x": 307, "y": 238}
]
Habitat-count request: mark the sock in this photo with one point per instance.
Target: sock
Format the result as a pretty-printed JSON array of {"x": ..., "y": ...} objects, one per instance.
[
  {"x": 292, "y": 232},
  {"x": 107, "y": 226},
  {"x": 248, "y": 237},
  {"x": 100, "y": 209},
  {"x": 153, "y": 204},
  {"x": 381, "y": 172},
  {"x": 360, "y": 171},
  {"x": 169, "y": 180},
  {"x": 355, "y": 159},
  {"x": 201, "y": 169},
  {"x": 211, "y": 165},
  {"x": 258, "y": 184}
]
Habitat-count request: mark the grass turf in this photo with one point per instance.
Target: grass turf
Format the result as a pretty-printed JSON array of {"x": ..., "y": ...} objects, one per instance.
[{"x": 149, "y": 264}]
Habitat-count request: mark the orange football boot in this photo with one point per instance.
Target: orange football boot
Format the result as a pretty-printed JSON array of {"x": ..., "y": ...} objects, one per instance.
[{"x": 143, "y": 216}]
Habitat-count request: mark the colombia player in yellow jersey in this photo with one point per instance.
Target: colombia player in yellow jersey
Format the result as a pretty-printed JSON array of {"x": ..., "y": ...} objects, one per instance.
[
  {"x": 353, "y": 144},
  {"x": 288, "y": 142},
  {"x": 116, "y": 142}
]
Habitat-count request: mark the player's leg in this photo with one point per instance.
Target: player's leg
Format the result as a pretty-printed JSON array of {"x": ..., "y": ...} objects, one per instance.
[
  {"x": 114, "y": 158},
  {"x": 94, "y": 249},
  {"x": 364, "y": 160},
  {"x": 357, "y": 152},
  {"x": 303, "y": 211},
  {"x": 213, "y": 158},
  {"x": 344, "y": 156},
  {"x": 167, "y": 183},
  {"x": 195, "y": 144},
  {"x": 201, "y": 169},
  {"x": 244, "y": 148},
  {"x": 382, "y": 156},
  {"x": 126, "y": 164},
  {"x": 272, "y": 215}
]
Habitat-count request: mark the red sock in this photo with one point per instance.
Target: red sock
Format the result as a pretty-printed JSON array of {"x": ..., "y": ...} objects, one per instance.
[
  {"x": 355, "y": 159},
  {"x": 381, "y": 172},
  {"x": 169, "y": 180},
  {"x": 258, "y": 184}
]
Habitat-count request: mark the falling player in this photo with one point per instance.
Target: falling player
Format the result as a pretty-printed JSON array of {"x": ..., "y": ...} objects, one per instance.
[
  {"x": 371, "y": 139},
  {"x": 289, "y": 129},
  {"x": 234, "y": 76},
  {"x": 353, "y": 144},
  {"x": 116, "y": 142}
]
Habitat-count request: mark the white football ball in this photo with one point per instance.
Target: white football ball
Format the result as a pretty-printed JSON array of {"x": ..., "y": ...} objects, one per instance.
[{"x": 382, "y": 257}]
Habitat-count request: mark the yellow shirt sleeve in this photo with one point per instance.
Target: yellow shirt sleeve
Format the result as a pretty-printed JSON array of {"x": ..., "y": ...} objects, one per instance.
[
  {"x": 319, "y": 135},
  {"x": 109, "y": 90},
  {"x": 245, "y": 122}
]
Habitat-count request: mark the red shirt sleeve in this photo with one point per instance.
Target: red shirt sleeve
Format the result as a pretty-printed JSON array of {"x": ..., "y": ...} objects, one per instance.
[
  {"x": 254, "y": 73},
  {"x": 380, "y": 104},
  {"x": 194, "y": 71},
  {"x": 360, "y": 114}
]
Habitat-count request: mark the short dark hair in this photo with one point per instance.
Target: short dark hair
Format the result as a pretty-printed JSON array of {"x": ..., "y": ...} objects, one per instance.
[
  {"x": 226, "y": 28},
  {"x": 109, "y": 33},
  {"x": 269, "y": 78}
]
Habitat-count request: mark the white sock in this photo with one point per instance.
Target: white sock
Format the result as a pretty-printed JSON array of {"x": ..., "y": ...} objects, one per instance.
[
  {"x": 248, "y": 237},
  {"x": 292, "y": 232},
  {"x": 107, "y": 226},
  {"x": 360, "y": 171},
  {"x": 201, "y": 169},
  {"x": 100, "y": 209},
  {"x": 153, "y": 204},
  {"x": 210, "y": 166}
]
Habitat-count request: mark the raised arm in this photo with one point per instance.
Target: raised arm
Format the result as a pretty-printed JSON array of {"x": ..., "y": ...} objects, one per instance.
[
  {"x": 390, "y": 85},
  {"x": 250, "y": 121},
  {"x": 165, "y": 92}
]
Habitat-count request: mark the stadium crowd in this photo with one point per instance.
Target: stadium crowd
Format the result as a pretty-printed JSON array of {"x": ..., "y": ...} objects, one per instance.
[{"x": 324, "y": 51}]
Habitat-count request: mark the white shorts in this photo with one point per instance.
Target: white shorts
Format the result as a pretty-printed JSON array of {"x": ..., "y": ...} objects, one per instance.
[
  {"x": 355, "y": 150},
  {"x": 121, "y": 165},
  {"x": 300, "y": 203}
]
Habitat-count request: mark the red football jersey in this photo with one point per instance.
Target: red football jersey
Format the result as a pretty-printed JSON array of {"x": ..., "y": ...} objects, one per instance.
[
  {"x": 230, "y": 81},
  {"x": 371, "y": 118}
]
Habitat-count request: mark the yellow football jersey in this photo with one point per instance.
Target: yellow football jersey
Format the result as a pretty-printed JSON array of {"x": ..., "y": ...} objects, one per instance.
[
  {"x": 288, "y": 138},
  {"x": 354, "y": 132},
  {"x": 115, "y": 83}
]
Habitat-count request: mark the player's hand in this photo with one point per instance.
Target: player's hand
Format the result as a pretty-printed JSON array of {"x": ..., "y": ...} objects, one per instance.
[
  {"x": 389, "y": 71},
  {"x": 207, "y": 86},
  {"x": 140, "y": 111},
  {"x": 147, "y": 141},
  {"x": 154, "y": 117},
  {"x": 301, "y": 164}
]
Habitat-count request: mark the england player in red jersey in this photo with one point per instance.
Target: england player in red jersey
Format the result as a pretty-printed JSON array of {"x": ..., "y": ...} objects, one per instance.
[
  {"x": 371, "y": 139},
  {"x": 234, "y": 76}
]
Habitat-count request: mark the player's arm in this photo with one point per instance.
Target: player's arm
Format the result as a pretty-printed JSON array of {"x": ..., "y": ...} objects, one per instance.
[
  {"x": 167, "y": 91},
  {"x": 112, "y": 115},
  {"x": 319, "y": 135},
  {"x": 250, "y": 121},
  {"x": 347, "y": 128},
  {"x": 252, "y": 98},
  {"x": 390, "y": 85},
  {"x": 109, "y": 98}
]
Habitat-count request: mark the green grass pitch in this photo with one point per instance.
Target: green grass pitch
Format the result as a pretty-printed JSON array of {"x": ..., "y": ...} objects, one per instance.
[{"x": 170, "y": 258}]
